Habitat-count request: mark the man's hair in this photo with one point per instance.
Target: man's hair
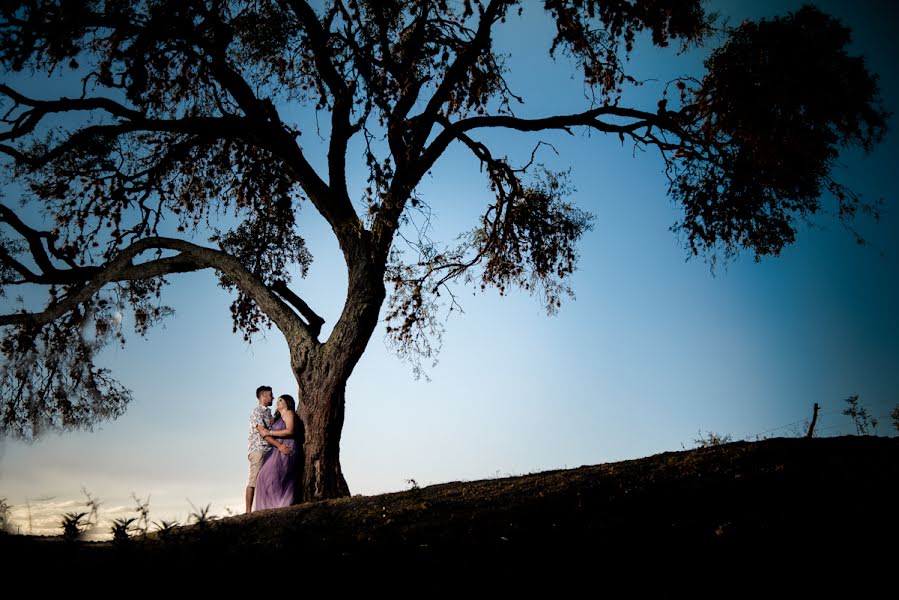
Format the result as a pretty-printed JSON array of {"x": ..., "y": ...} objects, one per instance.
[{"x": 262, "y": 388}]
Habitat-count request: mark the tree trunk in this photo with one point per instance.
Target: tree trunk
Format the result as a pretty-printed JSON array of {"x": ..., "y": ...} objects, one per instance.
[
  {"x": 321, "y": 411},
  {"x": 322, "y": 373}
]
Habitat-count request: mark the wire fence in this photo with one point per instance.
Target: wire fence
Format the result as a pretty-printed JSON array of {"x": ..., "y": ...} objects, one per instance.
[{"x": 881, "y": 424}]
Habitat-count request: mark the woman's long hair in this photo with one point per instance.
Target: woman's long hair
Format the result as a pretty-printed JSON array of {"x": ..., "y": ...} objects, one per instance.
[{"x": 289, "y": 401}]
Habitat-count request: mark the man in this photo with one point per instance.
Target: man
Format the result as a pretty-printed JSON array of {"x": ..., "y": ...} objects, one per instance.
[{"x": 258, "y": 447}]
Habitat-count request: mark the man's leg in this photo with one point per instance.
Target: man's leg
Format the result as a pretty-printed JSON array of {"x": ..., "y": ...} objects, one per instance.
[{"x": 256, "y": 459}]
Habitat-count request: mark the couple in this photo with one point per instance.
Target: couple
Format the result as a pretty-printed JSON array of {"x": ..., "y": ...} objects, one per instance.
[{"x": 273, "y": 452}]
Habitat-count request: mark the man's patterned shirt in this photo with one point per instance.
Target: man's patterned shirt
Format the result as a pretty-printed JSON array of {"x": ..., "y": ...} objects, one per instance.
[{"x": 259, "y": 416}]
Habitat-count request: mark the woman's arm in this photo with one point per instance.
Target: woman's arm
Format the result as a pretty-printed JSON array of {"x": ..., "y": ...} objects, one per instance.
[
  {"x": 265, "y": 433},
  {"x": 289, "y": 420}
]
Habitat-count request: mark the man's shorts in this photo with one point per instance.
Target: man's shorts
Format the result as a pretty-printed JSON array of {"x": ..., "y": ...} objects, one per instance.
[{"x": 256, "y": 460}]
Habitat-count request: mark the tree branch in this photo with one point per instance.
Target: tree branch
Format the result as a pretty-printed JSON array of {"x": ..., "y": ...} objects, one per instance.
[
  {"x": 341, "y": 128},
  {"x": 33, "y": 237},
  {"x": 458, "y": 69},
  {"x": 26, "y": 122},
  {"x": 319, "y": 39},
  {"x": 664, "y": 121},
  {"x": 314, "y": 321},
  {"x": 412, "y": 88},
  {"x": 191, "y": 258},
  {"x": 262, "y": 129},
  {"x": 210, "y": 127},
  {"x": 387, "y": 220}
]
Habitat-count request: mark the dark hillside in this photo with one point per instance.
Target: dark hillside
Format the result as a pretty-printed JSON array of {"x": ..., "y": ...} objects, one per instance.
[{"x": 778, "y": 503}]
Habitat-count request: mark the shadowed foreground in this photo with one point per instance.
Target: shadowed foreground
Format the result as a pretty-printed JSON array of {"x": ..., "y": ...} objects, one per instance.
[{"x": 775, "y": 503}]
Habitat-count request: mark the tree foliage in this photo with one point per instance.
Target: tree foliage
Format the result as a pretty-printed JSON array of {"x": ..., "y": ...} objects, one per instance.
[
  {"x": 771, "y": 121},
  {"x": 181, "y": 124}
]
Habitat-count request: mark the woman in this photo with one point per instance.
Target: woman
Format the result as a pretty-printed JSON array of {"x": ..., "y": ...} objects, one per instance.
[{"x": 276, "y": 483}]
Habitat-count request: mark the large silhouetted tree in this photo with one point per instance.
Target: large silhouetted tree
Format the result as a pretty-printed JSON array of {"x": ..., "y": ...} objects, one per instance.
[{"x": 181, "y": 120}]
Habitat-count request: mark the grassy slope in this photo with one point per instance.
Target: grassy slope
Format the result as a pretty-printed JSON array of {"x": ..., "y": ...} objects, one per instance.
[{"x": 829, "y": 499}]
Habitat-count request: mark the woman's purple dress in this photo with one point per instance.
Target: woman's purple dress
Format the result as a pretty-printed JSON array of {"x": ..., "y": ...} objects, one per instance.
[{"x": 276, "y": 482}]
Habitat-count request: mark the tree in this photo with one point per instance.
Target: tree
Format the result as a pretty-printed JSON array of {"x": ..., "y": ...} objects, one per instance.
[{"x": 182, "y": 118}]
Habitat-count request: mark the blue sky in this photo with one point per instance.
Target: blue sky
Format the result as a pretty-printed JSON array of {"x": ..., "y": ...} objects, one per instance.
[{"x": 653, "y": 350}]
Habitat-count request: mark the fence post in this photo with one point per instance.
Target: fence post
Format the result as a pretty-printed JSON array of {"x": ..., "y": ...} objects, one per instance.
[{"x": 811, "y": 427}]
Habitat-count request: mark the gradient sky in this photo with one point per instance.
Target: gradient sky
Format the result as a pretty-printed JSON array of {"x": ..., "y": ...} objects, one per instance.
[{"x": 654, "y": 352}]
